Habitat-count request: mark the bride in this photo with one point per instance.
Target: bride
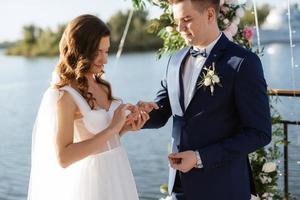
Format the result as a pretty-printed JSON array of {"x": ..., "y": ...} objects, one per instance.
[{"x": 76, "y": 150}]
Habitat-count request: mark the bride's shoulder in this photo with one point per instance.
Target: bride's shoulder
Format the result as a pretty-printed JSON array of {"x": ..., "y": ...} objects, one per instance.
[{"x": 66, "y": 101}]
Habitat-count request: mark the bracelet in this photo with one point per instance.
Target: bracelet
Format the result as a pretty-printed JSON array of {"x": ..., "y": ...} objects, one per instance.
[{"x": 199, "y": 162}]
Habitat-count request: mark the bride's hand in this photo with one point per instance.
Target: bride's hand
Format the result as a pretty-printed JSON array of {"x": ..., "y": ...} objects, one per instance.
[
  {"x": 133, "y": 115},
  {"x": 119, "y": 118},
  {"x": 134, "y": 125}
]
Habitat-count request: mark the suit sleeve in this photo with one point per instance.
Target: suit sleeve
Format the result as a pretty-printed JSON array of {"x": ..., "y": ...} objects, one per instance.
[
  {"x": 158, "y": 118},
  {"x": 252, "y": 104}
]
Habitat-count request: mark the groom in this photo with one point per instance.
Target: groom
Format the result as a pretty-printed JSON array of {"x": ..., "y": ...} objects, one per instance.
[{"x": 216, "y": 122}]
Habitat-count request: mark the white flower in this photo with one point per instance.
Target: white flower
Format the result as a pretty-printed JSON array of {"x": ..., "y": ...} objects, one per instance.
[
  {"x": 215, "y": 79},
  {"x": 210, "y": 78},
  {"x": 248, "y": 4},
  {"x": 269, "y": 167},
  {"x": 253, "y": 156},
  {"x": 240, "y": 12},
  {"x": 228, "y": 34},
  {"x": 265, "y": 195},
  {"x": 231, "y": 2},
  {"x": 167, "y": 198},
  {"x": 262, "y": 159},
  {"x": 210, "y": 72},
  {"x": 207, "y": 81},
  {"x": 254, "y": 197},
  {"x": 226, "y": 21},
  {"x": 263, "y": 179},
  {"x": 169, "y": 29},
  {"x": 236, "y": 21},
  {"x": 269, "y": 179},
  {"x": 233, "y": 29}
]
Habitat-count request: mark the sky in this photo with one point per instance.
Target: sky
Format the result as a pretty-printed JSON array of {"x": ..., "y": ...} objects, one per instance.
[{"x": 14, "y": 14}]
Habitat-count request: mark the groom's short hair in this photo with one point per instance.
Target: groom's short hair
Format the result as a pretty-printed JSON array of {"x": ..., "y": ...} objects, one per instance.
[{"x": 201, "y": 4}]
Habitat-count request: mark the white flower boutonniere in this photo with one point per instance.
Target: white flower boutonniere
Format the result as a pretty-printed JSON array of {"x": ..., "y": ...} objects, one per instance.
[
  {"x": 210, "y": 79},
  {"x": 269, "y": 167}
]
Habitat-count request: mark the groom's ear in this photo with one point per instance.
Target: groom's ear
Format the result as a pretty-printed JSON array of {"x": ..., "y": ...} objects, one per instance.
[{"x": 211, "y": 15}]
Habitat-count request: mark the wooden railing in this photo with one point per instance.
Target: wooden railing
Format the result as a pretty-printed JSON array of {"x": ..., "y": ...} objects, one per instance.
[{"x": 285, "y": 93}]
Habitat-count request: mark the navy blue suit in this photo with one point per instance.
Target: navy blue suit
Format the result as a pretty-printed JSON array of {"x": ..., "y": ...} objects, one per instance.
[{"x": 224, "y": 128}]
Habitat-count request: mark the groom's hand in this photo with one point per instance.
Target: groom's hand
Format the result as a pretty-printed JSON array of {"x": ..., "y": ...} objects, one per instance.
[
  {"x": 183, "y": 161},
  {"x": 147, "y": 106},
  {"x": 136, "y": 125}
]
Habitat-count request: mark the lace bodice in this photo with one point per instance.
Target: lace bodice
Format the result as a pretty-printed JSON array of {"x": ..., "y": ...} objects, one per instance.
[{"x": 93, "y": 121}]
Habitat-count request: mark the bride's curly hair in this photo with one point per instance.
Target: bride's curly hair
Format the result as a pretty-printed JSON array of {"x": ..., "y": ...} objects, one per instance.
[{"x": 77, "y": 47}]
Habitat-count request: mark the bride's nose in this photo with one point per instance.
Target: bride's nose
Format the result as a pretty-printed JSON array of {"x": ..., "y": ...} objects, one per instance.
[{"x": 104, "y": 59}]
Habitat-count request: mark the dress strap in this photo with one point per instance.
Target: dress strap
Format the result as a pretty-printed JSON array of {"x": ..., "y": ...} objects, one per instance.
[{"x": 78, "y": 98}]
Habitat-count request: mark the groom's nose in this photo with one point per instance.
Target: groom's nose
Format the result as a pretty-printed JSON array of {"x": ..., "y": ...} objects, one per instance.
[{"x": 181, "y": 27}]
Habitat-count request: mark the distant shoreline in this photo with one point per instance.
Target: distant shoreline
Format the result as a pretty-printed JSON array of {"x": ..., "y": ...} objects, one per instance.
[{"x": 2, "y": 52}]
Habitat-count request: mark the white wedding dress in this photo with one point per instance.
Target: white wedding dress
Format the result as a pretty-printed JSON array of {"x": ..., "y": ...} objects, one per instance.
[{"x": 105, "y": 175}]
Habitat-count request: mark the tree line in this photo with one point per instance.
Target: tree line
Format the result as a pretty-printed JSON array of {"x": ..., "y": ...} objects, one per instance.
[{"x": 44, "y": 42}]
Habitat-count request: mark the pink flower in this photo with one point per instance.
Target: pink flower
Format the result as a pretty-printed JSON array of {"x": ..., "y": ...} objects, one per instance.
[
  {"x": 222, "y": 2},
  {"x": 248, "y": 33}
]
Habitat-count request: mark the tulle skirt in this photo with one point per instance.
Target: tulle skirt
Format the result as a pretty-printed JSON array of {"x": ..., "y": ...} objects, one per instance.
[{"x": 104, "y": 176}]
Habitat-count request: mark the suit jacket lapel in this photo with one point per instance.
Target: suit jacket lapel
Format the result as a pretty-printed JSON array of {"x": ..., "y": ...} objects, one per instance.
[
  {"x": 173, "y": 80},
  {"x": 214, "y": 55}
]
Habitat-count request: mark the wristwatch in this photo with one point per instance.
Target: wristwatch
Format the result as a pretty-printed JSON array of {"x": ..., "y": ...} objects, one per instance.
[{"x": 199, "y": 162}]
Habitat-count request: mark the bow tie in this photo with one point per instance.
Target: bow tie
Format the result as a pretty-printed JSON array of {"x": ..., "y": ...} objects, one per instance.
[{"x": 196, "y": 53}]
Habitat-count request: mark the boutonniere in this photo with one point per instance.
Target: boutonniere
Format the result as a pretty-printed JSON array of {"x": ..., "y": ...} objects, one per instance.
[{"x": 210, "y": 79}]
